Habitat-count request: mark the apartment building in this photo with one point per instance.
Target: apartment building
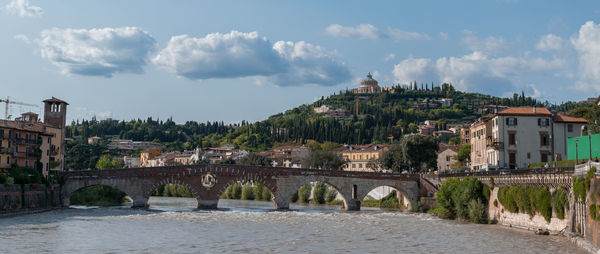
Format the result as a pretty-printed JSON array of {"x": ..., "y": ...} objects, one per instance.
[
  {"x": 520, "y": 136},
  {"x": 359, "y": 156}
]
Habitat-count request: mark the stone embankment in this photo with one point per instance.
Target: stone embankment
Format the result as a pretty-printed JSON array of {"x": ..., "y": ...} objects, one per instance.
[{"x": 15, "y": 198}]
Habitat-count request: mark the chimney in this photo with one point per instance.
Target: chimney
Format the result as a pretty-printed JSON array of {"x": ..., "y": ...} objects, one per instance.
[{"x": 534, "y": 109}]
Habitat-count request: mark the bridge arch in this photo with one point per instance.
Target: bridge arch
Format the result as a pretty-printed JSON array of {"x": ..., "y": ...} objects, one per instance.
[
  {"x": 287, "y": 189},
  {"x": 220, "y": 188},
  {"x": 70, "y": 197},
  {"x": 165, "y": 181},
  {"x": 133, "y": 188},
  {"x": 401, "y": 195}
]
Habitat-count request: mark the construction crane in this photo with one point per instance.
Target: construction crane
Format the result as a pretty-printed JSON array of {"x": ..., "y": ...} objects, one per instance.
[{"x": 8, "y": 101}]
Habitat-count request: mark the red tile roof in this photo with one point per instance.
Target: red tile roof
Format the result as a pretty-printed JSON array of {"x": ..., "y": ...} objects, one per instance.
[
  {"x": 568, "y": 119},
  {"x": 56, "y": 100},
  {"x": 525, "y": 111}
]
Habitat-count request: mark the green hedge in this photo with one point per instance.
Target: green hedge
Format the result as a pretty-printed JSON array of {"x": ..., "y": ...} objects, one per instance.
[{"x": 527, "y": 199}]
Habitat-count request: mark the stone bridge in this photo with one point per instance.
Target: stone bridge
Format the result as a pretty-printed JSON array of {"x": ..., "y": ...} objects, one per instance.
[{"x": 208, "y": 182}]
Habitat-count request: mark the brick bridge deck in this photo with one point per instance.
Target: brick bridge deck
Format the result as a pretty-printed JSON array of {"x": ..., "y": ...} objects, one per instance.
[{"x": 208, "y": 182}]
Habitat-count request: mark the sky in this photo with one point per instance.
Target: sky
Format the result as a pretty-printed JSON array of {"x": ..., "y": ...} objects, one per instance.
[{"x": 246, "y": 60}]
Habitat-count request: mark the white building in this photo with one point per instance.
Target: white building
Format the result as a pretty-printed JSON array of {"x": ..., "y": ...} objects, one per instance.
[{"x": 524, "y": 135}]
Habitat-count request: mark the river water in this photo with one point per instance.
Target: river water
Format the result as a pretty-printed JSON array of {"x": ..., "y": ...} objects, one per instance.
[{"x": 252, "y": 227}]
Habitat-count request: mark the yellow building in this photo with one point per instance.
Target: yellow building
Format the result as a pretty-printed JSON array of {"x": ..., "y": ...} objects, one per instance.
[
  {"x": 147, "y": 155},
  {"x": 24, "y": 142},
  {"x": 359, "y": 156}
]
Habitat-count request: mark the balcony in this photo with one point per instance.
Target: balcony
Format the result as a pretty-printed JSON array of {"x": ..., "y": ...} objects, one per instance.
[
  {"x": 7, "y": 150},
  {"x": 24, "y": 155}
]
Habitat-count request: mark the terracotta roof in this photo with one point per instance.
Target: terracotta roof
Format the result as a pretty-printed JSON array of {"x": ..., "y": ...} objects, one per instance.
[
  {"x": 54, "y": 99},
  {"x": 525, "y": 111},
  {"x": 568, "y": 119}
]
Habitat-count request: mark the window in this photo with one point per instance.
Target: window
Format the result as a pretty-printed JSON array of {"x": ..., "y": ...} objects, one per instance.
[
  {"x": 8, "y": 160},
  {"x": 512, "y": 138},
  {"x": 447, "y": 158},
  {"x": 511, "y": 121},
  {"x": 353, "y": 165},
  {"x": 26, "y": 163},
  {"x": 543, "y": 122},
  {"x": 528, "y": 155},
  {"x": 512, "y": 160},
  {"x": 544, "y": 157},
  {"x": 544, "y": 139},
  {"x": 367, "y": 156},
  {"x": 570, "y": 127}
]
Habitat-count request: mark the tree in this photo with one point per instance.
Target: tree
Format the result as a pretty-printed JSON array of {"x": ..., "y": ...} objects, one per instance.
[
  {"x": 420, "y": 150},
  {"x": 456, "y": 140},
  {"x": 107, "y": 161},
  {"x": 254, "y": 159},
  {"x": 321, "y": 159},
  {"x": 304, "y": 193},
  {"x": 464, "y": 154},
  {"x": 393, "y": 159}
]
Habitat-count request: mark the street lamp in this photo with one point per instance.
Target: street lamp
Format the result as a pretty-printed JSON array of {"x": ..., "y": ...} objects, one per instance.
[{"x": 576, "y": 152}]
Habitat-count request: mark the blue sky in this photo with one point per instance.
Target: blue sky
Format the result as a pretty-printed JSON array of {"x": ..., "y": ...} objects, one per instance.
[{"x": 245, "y": 60}]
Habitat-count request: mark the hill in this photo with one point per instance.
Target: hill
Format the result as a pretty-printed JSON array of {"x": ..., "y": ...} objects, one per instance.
[{"x": 351, "y": 119}]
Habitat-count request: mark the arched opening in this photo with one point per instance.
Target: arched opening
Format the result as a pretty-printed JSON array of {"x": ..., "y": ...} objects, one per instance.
[
  {"x": 99, "y": 195},
  {"x": 172, "y": 197},
  {"x": 250, "y": 194},
  {"x": 385, "y": 197},
  {"x": 317, "y": 196}
]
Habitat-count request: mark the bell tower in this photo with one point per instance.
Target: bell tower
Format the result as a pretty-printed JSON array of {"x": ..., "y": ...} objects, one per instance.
[{"x": 55, "y": 113}]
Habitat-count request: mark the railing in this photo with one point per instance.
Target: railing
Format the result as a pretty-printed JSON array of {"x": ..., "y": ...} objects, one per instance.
[{"x": 582, "y": 169}]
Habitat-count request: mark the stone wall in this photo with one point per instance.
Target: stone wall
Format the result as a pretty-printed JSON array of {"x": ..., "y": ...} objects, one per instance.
[
  {"x": 592, "y": 226},
  {"x": 523, "y": 220},
  {"x": 15, "y": 197}
]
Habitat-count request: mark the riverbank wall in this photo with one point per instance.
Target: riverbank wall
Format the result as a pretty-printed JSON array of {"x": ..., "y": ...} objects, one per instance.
[
  {"x": 17, "y": 197},
  {"x": 503, "y": 217}
]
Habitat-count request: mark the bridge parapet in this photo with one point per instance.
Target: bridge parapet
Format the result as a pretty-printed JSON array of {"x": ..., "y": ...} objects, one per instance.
[{"x": 534, "y": 177}]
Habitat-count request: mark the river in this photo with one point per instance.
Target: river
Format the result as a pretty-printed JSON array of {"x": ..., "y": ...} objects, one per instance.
[{"x": 253, "y": 227}]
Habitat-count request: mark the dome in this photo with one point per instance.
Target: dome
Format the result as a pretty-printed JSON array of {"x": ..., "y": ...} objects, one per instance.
[{"x": 369, "y": 81}]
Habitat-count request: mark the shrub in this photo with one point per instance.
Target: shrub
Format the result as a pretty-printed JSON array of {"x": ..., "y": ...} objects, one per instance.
[
  {"x": 236, "y": 191},
  {"x": 258, "y": 190},
  {"x": 247, "y": 192},
  {"x": 98, "y": 195},
  {"x": 390, "y": 201},
  {"x": 418, "y": 207},
  {"x": 560, "y": 202},
  {"x": 331, "y": 195},
  {"x": 319, "y": 193},
  {"x": 544, "y": 203},
  {"x": 593, "y": 211},
  {"x": 3, "y": 178},
  {"x": 304, "y": 193},
  {"x": 295, "y": 197},
  {"x": 266, "y": 194},
  {"x": 477, "y": 211},
  {"x": 579, "y": 189}
]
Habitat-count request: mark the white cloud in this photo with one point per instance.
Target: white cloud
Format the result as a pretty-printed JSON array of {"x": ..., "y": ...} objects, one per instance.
[
  {"x": 368, "y": 31},
  {"x": 362, "y": 31},
  {"x": 389, "y": 57},
  {"x": 24, "y": 9},
  {"x": 474, "y": 71},
  {"x": 444, "y": 36},
  {"x": 550, "y": 42},
  {"x": 587, "y": 45},
  {"x": 490, "y": 44},
  {"x": 411, "y": 69},
  {"x": 217, "y": 55},
  {"x": 97, "y": 52},
  {"x": 399, "y": 35},
  {"x": 238, "y": 55},
  {"x": 309, "y": 65},
  {"x": 22, "y": 38}
]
